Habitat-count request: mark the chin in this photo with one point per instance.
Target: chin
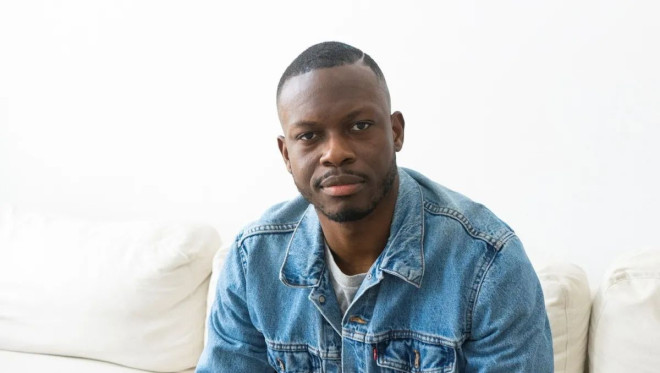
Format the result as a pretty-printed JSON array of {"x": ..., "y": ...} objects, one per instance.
[{"x": 346, "y": 215}]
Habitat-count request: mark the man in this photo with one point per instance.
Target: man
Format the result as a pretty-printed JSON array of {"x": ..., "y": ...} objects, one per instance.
[{"x": 374, "y": 268}]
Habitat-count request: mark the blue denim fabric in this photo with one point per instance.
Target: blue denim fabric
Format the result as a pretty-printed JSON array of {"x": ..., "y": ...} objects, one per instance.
[{"x": 452, "y": 291}]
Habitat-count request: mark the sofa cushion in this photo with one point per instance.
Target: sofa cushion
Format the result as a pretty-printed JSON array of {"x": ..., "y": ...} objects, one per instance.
[
  {"x": 625, "y": 322},
  {"x": 568, "y": 304},
  {"x": 133, "y": 294},
  {"x": 21, "y": 362}
]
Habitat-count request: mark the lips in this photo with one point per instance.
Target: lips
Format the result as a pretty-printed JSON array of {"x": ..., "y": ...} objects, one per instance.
[
  {"x": 340, "y": 180},
  {"x": 341, "y": 185}
]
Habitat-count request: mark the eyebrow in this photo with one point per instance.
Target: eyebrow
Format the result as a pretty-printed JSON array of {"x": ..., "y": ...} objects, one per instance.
[
  {"x": 303, "y": 123},
  {"x": 353, "y": 114},
  {"x": 348, "y": 117}
]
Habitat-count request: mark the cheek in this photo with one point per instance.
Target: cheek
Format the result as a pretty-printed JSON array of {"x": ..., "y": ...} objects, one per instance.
[
  {"x": 302, "y": 165},
  {"x": 378, "y": 152}
]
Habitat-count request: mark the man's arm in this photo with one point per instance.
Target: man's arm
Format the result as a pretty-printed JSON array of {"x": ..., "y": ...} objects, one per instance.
[
  {"x": 510, "y": 328},
  {"x": 234, "y": 344}
]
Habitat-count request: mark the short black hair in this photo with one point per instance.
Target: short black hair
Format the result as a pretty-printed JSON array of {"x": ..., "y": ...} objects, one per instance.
[{"x": 328, "y": 54}]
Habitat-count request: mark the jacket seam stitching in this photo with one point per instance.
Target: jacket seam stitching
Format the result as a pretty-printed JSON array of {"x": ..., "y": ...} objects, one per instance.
[
  {"x": 303, "y": 347},
  {"x": 243, "y": 254},
  {"x": 496, "y": 243},
  {"x": 421, "y": 239},
  {"x": 283, "y": 279},
  {"x": 476, "y": 291},
  {"x": 266, "y": 229},
  {"x": 397, "y": 334}
]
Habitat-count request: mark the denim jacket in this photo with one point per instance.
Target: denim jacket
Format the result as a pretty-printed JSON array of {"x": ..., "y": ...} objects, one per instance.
[{"x": 452, "y": 291}]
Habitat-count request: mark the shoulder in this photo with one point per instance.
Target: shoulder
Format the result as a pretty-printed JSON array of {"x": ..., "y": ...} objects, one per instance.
[
  {"x": 475, "y": 219},
  {"x": 280, "y": 218}
]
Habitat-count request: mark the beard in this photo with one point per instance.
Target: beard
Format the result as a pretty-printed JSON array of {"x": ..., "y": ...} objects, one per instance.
[{"x": 354, "y": 213}]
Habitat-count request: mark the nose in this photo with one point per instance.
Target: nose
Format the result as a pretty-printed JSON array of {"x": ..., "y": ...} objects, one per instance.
[{"x": 338, "y": 152}]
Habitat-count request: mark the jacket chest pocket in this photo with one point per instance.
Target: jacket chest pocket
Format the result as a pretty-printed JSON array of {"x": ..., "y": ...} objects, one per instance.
[
  {"x": 414, "y": 356},
  {"x": 299, "y": 361}
]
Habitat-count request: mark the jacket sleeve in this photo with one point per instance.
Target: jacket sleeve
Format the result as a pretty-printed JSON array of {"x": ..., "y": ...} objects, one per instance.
[
  {"x": 510, "y": 331},
  {"x": 234, "y": 344}
]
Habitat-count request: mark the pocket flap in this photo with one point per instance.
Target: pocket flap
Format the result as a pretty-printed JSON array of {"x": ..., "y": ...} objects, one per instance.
[
  {"x": 411, "y": 355},
  {"x": 301, "y": 361}
]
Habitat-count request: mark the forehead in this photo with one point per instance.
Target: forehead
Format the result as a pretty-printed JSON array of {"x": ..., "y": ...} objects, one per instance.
[{"x": 331, "y": 91}]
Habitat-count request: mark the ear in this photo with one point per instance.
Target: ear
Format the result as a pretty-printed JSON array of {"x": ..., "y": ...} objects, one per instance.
[
  {"x": 398, "y": 126},
  {"x": 284, "y": 151}
]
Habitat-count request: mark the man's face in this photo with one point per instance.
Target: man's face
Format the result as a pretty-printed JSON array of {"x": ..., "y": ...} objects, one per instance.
[{"x": 340, "y": 140}]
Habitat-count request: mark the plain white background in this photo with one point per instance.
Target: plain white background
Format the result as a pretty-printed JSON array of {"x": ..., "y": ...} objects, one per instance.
[{"x": 547, "y": 112}]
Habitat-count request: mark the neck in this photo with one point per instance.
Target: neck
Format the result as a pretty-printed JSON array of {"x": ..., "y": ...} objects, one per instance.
[{"x": 357, "y": 244}]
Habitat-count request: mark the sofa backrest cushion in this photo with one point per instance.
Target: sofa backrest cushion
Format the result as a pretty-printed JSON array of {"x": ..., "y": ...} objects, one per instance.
[
  {"x": 625, "y": 322},
  {"x": 568, "y": 304},
  {"x": 133, "y": 294}
]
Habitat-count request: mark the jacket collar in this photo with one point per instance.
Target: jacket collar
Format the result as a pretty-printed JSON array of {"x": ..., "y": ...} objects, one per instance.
[{"x": 403, "y": 255}]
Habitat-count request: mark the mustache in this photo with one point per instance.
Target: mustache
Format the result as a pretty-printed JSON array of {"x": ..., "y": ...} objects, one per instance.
[{"x": 337, "y": 172}]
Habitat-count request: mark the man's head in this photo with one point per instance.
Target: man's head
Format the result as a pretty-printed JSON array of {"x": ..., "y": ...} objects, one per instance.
[
  {"x": 339, "y": 138},
  {"x": 329, "y": 54}
]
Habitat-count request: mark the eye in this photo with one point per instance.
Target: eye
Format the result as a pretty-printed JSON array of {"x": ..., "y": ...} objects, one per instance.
[
  {"x": 361, "y": 126},
  {"x": 306, "y": 136}
]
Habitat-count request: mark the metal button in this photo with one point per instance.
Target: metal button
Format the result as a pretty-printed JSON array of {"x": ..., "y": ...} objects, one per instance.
[
  {"x": 321, "y": 299},
  {"x": 357, "y": 319},
  {"x": 368, "y": 276}
]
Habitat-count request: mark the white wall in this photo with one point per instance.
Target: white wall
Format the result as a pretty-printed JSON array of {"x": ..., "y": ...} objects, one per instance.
[{"x": 547, "y": 112}]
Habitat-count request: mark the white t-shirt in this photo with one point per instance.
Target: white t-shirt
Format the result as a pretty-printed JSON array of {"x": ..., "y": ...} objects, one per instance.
[{"x": 345, "y": 286}]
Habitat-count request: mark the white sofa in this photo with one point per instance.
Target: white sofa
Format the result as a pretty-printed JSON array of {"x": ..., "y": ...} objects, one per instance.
[
  {"x": 80, "y": 296},
  {"x": 104, "y": 297}
]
